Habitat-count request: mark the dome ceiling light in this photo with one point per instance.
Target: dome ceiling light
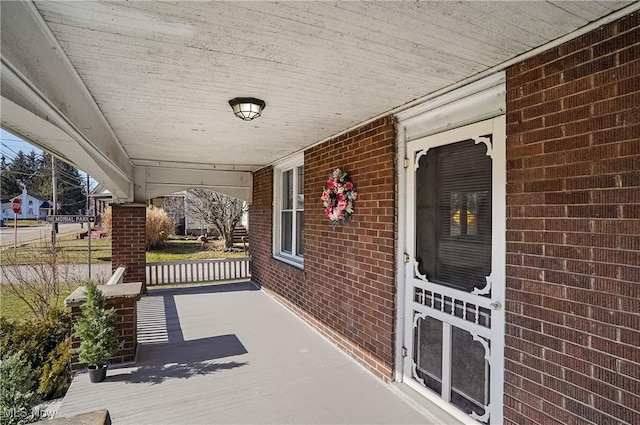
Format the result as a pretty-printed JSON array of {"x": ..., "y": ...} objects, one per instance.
[{"x": 247, "y": 108}]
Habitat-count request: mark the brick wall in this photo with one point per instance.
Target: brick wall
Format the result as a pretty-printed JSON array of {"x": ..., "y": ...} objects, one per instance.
[
  {"x": 573, "y": 240},
  {"x": 128, "y": 227},
  {"x": 347, "y": 288}
]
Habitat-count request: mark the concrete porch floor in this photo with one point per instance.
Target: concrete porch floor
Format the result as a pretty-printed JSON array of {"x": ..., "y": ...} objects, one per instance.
[{"x": 229, "y": 353}]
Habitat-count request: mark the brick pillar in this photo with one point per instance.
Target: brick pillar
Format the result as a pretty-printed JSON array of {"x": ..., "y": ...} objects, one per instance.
[{"x": 128, "y": 223}]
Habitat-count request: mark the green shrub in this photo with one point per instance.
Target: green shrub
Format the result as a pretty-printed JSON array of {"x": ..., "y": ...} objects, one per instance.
[
  {"x": 17, "y": 397},
  {"x": 55, "y": 378},
  {"x": 96, "y": 328},
  {"x": 45, "y": 345}
]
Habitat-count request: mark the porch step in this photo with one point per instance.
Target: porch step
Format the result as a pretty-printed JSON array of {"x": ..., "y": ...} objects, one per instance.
[{"x": 239, "y": 233}]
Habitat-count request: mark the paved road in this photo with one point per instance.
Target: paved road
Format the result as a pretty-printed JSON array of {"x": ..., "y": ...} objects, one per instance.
[
  {"x": 31, "y": 234},
  {"x": 99, "y": 271}
]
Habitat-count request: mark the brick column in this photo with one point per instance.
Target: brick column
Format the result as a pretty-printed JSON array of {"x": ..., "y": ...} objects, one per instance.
[{"x": 128, "y": 223}]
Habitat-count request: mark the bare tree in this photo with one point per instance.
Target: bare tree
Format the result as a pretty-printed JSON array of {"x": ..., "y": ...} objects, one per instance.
[
  {"x": 216, "y": 209},
  {"x": 174, "y": 207},
  {"x": 39, "y": 277}
]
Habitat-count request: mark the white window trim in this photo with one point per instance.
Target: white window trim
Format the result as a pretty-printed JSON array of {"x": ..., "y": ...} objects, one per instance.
[{"x": 290, "y": 163}]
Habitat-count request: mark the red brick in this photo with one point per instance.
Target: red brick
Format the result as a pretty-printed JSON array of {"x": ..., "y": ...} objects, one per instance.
[
  {"x": 591, "y": 182},
  {"x": 358, "y": 306},
  {"x": 589, "y": 68},
  {"x": 592, "y": 211},
  {"x": 567, "y": 198},
  {"x": 128, "y": 241}
]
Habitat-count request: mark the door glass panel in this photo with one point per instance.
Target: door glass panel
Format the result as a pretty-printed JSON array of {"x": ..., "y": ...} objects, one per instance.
[
  {"x": 428, "y": 352},
  {"x": 453, "y": 215},
  {"x": 469, "y": 373}
]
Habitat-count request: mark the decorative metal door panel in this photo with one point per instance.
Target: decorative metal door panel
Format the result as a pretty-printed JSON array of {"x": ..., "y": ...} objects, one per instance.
[{"x": 455, "y": 269}]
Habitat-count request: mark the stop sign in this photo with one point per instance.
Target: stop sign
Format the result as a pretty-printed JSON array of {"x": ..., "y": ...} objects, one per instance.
[{"x": 16, "y": 205}]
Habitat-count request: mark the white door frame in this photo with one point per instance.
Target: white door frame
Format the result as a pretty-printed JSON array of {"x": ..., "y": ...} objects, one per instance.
[{"x": 480, "y": 101}]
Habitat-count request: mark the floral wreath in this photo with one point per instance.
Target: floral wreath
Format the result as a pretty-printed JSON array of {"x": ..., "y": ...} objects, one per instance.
[{"x": 337, "y": 197}]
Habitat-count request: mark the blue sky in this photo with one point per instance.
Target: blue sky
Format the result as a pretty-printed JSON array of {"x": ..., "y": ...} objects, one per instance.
[{"x": 11, "y": 145}]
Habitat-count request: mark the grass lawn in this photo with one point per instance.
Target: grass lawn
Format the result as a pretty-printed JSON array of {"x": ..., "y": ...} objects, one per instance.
[
  {"x": 75, "y": 250},
  {"x": 13, "y": 308},
  {"x": 177, "y": 250},
  {"x": 71, "y": 249}
]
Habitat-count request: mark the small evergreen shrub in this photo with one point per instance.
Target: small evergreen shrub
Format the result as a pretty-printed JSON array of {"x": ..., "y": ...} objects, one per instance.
[
  {"x": 17, "y": 395},
  {"x": 45, "y": 345},
  {"x": 55, "y": 377},
  {"x": 96, "y": 329}
]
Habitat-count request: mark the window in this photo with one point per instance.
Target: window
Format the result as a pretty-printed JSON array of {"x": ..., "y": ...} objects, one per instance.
[{"x": 288, "y": 231}]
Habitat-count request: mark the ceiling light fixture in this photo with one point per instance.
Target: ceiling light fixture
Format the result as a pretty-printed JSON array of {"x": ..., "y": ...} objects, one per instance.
[{"x": 247, "y": 108}]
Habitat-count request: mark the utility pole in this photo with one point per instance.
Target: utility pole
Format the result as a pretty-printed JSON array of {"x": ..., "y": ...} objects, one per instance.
[
  {"x": 89, "y": 225},
  {"x": 54, "y": 182}
]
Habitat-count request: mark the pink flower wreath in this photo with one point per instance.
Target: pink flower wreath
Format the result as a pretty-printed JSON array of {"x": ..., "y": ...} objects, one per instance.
[{"x": 337, "y": 197}]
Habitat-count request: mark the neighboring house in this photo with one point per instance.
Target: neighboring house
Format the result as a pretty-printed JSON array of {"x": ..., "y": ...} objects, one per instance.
[
  {"x": 100, "y": 198},
  {"x": 174, "y": 204},
  {"x": 34, "y": 207}
]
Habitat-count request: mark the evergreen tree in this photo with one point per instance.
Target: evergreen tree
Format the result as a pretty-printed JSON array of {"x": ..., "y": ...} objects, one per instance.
[
  {"x": 19, "y": 171},
  {"x": 45, "y": 188},
  {"x": 34, "y": 171},
  {"x": 8, "y": 186},
  {"x": 36, "y": 182},
  {"x": 71, "y": 191},
  {"x": 33, "y": 165}
]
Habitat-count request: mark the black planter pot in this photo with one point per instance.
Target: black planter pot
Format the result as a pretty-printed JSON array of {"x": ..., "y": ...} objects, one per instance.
[{"x": 97, "y": 373}]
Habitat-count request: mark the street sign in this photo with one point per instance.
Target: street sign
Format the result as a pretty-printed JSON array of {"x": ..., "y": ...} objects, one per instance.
[
  {"x": 16, "y": 205},
  {"x": 71, "y": 219}
]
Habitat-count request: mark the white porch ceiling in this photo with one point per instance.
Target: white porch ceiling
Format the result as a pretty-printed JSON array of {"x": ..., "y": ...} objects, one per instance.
[{"x": 161, "y": 73}]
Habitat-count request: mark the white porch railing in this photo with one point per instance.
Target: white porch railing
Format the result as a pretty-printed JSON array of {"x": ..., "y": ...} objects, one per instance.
[{"x": 194, "y": 271}]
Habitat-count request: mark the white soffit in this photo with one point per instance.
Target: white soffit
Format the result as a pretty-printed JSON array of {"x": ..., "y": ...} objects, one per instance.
[{"x": 162, "y": 73}]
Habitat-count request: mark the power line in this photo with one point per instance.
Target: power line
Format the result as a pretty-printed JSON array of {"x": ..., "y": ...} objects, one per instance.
[{"x": 3, "y": 144}]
